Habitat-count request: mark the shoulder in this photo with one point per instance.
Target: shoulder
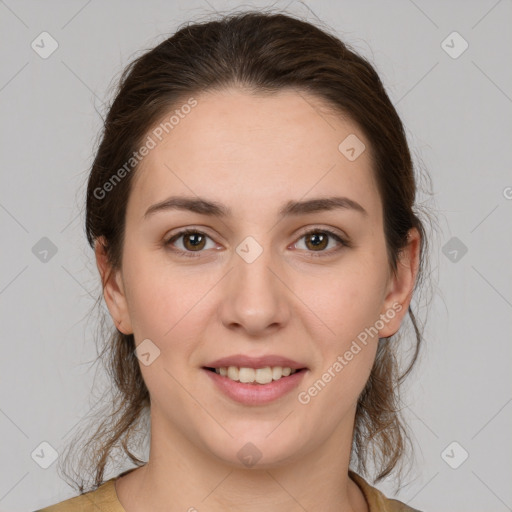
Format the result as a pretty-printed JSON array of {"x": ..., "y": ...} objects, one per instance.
[
  {"x": 377, "y": 501},
  {"x": 104, "y": 498}
]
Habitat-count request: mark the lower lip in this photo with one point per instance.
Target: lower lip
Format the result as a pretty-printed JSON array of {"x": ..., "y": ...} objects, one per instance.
[{"x": 256, "y": 394}]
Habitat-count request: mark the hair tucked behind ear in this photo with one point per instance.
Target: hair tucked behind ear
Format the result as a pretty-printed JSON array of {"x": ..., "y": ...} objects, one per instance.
[{"x": 261, "y": 52}]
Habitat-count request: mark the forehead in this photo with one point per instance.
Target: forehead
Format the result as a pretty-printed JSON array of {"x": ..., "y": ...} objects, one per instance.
[{"x": 245, "y": 149}]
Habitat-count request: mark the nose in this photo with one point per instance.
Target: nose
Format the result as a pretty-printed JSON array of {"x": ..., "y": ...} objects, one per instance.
[{"x": 255, "y": 298}]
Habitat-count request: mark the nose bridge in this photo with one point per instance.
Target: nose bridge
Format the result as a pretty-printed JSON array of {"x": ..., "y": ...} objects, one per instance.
[
  {"x": 252, "y": 275},
  {"x": 256, "y": 297}
]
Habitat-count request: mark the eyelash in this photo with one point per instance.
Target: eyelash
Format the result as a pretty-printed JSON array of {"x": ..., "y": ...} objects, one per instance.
[{"x": 195, "y": 254}]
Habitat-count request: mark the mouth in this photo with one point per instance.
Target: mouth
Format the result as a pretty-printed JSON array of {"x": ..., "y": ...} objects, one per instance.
[
  {"x": 256, "y": 376},
  {"x": 253, "y": 387}
]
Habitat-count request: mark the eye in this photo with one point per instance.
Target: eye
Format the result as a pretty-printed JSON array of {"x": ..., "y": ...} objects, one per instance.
[
  {"x": 193, "y": 242},
  {"x": 318, "y": 239}
]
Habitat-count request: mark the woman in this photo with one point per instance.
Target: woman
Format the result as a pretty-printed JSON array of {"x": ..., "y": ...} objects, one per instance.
[{"x": 251, "y": 208}]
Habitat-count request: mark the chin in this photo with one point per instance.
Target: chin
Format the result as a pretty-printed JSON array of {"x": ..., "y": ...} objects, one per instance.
[{"x": 257, "y": 451}]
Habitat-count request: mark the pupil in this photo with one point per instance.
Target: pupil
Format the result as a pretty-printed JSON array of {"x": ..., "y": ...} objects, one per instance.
[
  {"x": 317, "y": 240},
  {"x": 197, "y": 238}
]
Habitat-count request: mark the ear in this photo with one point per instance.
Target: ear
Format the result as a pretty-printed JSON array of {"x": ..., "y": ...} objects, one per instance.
[
  {"x": 401, "y": 285},
  {"x": 113, "y": 288}
]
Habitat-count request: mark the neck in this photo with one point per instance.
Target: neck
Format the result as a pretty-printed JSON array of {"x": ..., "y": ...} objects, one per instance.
[{"x": 180, "y": 476}]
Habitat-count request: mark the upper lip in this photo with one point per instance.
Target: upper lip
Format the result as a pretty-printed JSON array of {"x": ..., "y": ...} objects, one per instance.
[{"x": 244, "y": 361}]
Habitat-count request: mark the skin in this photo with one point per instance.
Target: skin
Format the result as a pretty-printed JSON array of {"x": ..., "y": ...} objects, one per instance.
[{"x": 253, "y": 153}]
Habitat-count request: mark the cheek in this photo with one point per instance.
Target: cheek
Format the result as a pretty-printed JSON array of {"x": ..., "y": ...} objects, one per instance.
[
  {"x": 155, "y": 300},
  {"x": 350, "y": 300},
  {"x": 349, "y": 304},
  {"x": 350, "y": 307},
  {"x": 166, "y": 303},
  {"x": 352, "y": 316}
]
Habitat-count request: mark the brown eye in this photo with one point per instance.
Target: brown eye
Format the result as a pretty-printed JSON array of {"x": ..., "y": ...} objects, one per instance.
[
  {"x": 318, "y": 240},
  {"x": 194, "y": 241}
]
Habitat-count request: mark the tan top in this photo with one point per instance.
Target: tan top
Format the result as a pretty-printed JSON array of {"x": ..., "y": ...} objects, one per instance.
[{"x": 104, "y": 499}]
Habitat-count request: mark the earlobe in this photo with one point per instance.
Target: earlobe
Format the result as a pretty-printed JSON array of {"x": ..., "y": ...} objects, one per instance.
[
  {"x": 113, "y": 289},
  {"x": 401, "y": 285}
]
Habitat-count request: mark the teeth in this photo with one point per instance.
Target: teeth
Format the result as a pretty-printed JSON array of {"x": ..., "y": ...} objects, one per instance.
[{"x": 259, "y": 375}]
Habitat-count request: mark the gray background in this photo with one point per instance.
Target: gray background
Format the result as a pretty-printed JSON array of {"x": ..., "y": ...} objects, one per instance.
[{"x": 457, "y": 112}]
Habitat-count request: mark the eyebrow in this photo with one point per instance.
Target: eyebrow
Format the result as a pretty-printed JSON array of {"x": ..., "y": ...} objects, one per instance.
[{"x": 291, "y": 208}]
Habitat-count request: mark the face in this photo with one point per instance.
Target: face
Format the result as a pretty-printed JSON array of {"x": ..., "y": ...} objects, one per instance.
[{"x": 312, "y": 284}]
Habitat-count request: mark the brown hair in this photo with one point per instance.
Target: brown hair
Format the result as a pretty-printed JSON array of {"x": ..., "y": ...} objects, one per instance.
[{"x": 262, "y": 52}]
